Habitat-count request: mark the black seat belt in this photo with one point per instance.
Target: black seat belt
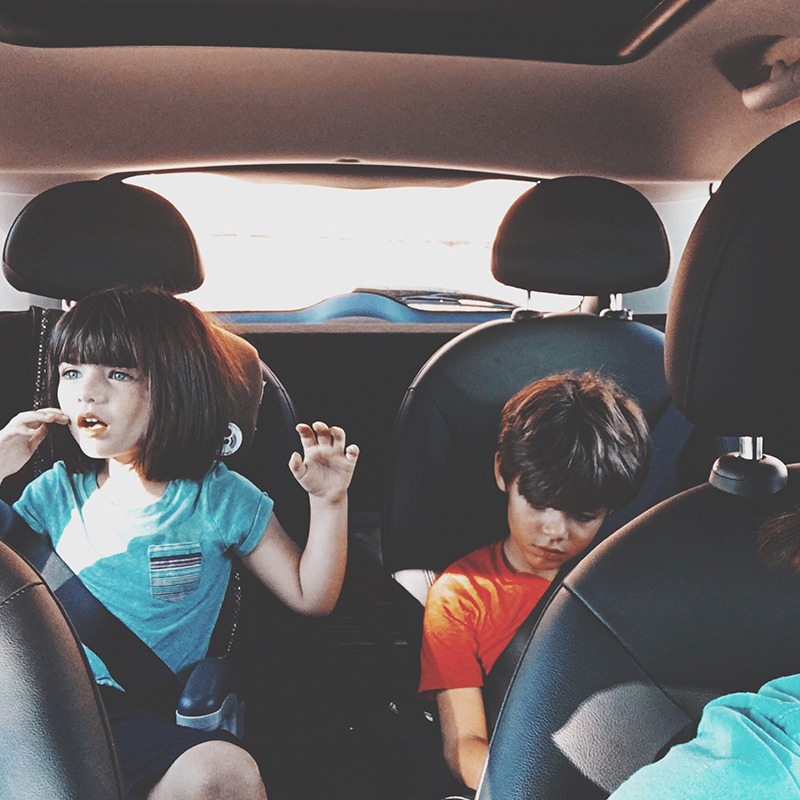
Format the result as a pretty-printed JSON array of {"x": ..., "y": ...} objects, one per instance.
[
  {"x": 668, "y": 438},
  {"x": 132, "y": 664}
]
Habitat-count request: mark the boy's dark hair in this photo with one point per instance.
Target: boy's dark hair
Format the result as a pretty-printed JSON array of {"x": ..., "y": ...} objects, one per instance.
[
  {"x": 180, "y": 356},
  {"x": 575, "y": 443}
]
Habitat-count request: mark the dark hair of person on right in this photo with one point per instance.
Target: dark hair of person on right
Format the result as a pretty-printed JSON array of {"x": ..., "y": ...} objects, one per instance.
[
  {"x": 779, "y": 540},
  {"x": 190, "y": 380},
  {"x": 574, "y": 443}
]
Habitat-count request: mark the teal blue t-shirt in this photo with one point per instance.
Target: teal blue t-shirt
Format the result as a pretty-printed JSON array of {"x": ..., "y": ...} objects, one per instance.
[
  {"x": 162, "y": 569},
  {"x": 747, "y": 747}
]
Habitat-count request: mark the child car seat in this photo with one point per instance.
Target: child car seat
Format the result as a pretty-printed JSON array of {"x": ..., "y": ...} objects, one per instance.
[{"x": 86, "y": 236}]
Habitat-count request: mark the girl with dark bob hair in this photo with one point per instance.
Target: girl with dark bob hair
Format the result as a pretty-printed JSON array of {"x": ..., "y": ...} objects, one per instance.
[{"x": 145, "y": 514}]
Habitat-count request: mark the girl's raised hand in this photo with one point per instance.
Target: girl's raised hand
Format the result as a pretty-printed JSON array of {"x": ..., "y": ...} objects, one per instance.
[
  {"x": 326, "y": 467},
  {"x": 23, "y": 434}
]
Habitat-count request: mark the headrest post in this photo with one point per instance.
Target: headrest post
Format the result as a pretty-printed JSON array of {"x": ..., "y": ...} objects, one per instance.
[
  {"x": 749, "y": 473},
  {"x": 616, "y": 308},
  {"x": 527, "y": 312},
  {"x": 751, "y": 447}
]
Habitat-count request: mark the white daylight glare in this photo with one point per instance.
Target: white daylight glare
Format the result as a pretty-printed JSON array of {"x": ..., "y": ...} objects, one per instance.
[{"x": 281, "y": 246}]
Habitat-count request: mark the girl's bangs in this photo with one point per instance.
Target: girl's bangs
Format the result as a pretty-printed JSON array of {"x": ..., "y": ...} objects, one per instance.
[{"x": 94, "y": 338}]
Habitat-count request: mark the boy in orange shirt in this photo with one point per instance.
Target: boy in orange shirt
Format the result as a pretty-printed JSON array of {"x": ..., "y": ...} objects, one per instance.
[{"x": 570, "y": 451}]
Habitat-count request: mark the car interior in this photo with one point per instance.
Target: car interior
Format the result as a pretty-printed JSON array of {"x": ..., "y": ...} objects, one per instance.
[{"x": 596, "y": 186}]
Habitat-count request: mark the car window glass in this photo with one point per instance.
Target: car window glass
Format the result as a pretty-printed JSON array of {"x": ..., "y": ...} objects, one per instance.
[{"x": 282, "y": 246}]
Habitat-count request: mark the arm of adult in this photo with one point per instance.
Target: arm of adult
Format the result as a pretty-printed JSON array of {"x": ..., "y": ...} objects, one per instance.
[
  {"x": 464, "y": 733},
  {"x": 309, "y": 581},
  {"x": 23, "y": 434}
]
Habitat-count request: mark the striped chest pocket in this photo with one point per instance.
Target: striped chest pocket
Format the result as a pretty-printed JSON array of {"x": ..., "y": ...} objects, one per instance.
[{"x": 174, "y": 569}]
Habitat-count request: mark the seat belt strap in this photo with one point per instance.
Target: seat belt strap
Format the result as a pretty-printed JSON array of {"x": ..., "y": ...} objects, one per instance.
[{"x": 132, "y": 664}]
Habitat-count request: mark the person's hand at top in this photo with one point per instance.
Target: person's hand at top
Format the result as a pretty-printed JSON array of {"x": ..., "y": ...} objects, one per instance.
[
  {"x": 327, "y": 465},
  {"x": 23, "y": 434}
]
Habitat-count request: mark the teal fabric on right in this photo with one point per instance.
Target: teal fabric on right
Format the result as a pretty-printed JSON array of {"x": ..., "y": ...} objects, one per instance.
[{"x": 747, "y": 748}]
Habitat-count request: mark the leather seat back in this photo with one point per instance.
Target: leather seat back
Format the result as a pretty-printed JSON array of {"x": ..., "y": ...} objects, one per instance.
[{"x": 47, "y": 694}]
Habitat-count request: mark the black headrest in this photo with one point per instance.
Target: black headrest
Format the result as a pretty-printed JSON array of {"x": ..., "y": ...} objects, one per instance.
[
  {"x": 732, "y": 330},
  {"x": 581, "y": 235},
  {"x": 82, "y": 237}
]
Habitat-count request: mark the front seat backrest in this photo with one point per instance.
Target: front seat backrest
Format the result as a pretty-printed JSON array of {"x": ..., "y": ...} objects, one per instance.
[
  {"x": 55, "y": 743},
  {"x": 677, "y": 607},
  {"x": 570, "y": 235}
]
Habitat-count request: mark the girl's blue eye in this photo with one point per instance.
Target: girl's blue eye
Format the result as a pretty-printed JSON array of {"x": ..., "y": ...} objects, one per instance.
[
  {"x": 70, "y": 374},
  {"x": 119, "y": 375}
]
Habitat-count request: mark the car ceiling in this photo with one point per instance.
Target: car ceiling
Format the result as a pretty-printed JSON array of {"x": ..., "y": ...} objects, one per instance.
[
  {"x": 674, "y": 116},
  {"x": 571, "y": 31}
]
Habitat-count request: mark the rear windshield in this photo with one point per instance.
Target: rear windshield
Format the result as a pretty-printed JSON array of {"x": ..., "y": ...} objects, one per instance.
[{"x": 284, "y": 246}]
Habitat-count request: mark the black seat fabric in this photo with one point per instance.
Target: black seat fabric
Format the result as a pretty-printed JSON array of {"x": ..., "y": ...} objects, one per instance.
[
  {"x": 54, "y": 741},
  {"x": 441, "y": 500},
  {"x": 19, "y": 365},
  {"x": 674, "y": 610},
  {"x": 677, "y": 607}
]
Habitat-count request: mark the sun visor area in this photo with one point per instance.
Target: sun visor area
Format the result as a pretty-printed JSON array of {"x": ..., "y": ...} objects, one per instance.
[{"x": 732, "y": 329}]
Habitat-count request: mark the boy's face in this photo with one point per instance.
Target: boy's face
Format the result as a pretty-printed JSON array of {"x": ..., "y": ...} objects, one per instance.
[{"x": 542, "y": 539}]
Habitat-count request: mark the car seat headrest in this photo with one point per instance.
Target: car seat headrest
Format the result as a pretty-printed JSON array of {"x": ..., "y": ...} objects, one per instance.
[
  {"x": 82, "y": 237},
  {"x": 581, "y": 236},
  {"x": 732, "y": 324}
]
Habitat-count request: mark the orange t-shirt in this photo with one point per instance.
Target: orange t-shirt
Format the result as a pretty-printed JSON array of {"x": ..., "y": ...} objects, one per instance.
[{"x": 472, "y": 612}]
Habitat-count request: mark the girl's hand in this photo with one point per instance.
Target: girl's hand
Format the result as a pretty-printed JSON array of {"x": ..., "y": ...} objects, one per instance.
[
  {"x": 23, "y": 434},
  {"x": 326, "y": 468}
]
